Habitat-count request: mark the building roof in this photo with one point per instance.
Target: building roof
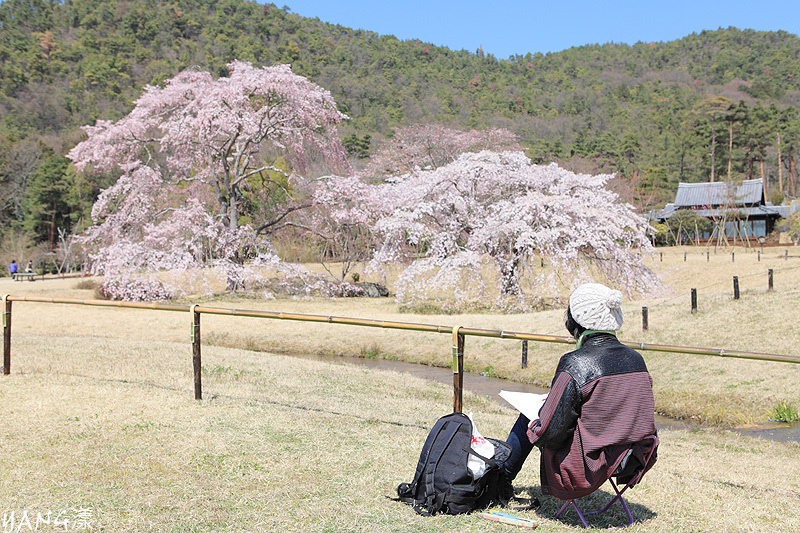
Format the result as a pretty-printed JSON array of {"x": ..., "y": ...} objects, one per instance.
[
  {"x": 706, "y": 195},
  {"x": 783, "y": 211},
  {"x": 759, "y": 211}
]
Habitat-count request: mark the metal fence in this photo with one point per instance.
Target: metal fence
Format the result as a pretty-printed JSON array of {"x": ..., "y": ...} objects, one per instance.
[{"x": 458, "y": 334}]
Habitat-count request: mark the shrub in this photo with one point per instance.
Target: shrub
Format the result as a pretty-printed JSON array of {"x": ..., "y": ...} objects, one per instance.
[
  {"x": 133, "y": 289},
  {"x": 783, "y": 411},
  {"x": 86, "y": 284}
]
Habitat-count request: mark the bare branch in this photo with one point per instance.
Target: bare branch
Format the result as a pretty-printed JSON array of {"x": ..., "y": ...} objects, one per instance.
[{"x": 270, "y": 226}]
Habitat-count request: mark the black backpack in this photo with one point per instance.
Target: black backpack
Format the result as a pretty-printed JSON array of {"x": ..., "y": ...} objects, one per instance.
[{"x": 443, "y": 482}]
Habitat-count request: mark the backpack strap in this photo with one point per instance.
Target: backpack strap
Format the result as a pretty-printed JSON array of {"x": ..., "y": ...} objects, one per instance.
[
  {"x": 406, "y": 491},
  {"x": 434, "y": 501},
  {"x": 430, "y": 509},
  {"x": 439, "y": 438},
  {"x": 437, "y": 430},
  {"x": 491, "y": 462}
]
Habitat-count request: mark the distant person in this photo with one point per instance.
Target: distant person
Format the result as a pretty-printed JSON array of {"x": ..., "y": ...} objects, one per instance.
[
  {"x": 600, "y": 407},
  {"x": 13, "y": 268},
  {"x": 29, "y": 267}
]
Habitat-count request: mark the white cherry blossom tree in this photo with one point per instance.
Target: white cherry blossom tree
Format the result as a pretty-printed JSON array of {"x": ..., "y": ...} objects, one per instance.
[
  {"x": 444, "y": 223},
  {"x": 187, "y": 154},
  {"x": 344, "y": 212}
]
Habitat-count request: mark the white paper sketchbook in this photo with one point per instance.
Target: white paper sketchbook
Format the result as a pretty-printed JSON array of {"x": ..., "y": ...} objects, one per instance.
[{"x": 526, "y": 403}]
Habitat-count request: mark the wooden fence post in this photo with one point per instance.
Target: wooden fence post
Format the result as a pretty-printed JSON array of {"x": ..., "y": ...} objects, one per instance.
[
  {"x": 735, "y": 287},
  {"x": 769, "y": 280},
  {"x": 694, "y": 300},
  {"x": 458, "y": 369},
  {"x": 524, "y": 354},
  {"x": 645, "y": 322},
  {"x": 196, "y": 360},
  {"x": 6, "y": 335}
]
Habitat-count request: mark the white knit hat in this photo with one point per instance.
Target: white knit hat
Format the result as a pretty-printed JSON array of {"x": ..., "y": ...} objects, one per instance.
[{"x": 595, "y": 306}]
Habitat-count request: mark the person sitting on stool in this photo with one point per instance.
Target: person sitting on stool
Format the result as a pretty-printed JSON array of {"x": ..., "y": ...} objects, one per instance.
[{"x": 599, "y": 409}]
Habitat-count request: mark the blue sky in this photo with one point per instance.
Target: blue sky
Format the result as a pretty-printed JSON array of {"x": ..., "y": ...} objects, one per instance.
[{"x": 508, "y": 27}]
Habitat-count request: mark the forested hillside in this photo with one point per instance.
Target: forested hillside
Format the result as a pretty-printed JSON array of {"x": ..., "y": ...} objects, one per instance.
[{"x": 716, "y": 105}]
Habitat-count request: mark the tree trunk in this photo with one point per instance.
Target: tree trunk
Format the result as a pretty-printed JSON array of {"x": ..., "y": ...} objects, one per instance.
[
  {"x": 713, "y": 146},
  {"x": 234, "y": 216},
  {"x": 730, "y": 148},
  {"x": 52, "y": 231},
  {"x": 234, "y": 195},
  {"x": 510, "y": 279},
  {"x": 780, "y": 165}
]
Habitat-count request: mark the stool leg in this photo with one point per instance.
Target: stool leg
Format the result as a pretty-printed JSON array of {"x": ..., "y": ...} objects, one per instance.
[
  {"x": 577, "y": 510},
  {"x": 621, "y": 500}
]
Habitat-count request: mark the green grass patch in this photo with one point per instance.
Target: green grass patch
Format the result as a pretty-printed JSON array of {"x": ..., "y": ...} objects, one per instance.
[
  {"x": 784, "y": 411},
  {"x": 371, "y": 351}
]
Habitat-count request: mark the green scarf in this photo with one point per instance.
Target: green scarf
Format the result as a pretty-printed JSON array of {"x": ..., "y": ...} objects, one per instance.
[{"x": 589, "y": 332}]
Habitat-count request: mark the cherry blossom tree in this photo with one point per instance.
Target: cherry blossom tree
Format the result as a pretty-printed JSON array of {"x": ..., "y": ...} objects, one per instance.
[
  {"x": 430, "y": 146},
  {"x": 216, "y": 132},
  {"x": 188, "y": 153},
  {"x": 499, "y": 206},
  {"x": 340, "y": 224}
]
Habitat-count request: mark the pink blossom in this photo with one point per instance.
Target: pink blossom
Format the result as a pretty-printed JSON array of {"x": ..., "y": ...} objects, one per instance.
[
  {"x": 187, "y": 153},
  {"x": 500, "y": 207}
]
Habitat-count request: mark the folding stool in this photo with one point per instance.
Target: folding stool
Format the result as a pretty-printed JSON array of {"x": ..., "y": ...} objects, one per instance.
[{"x": 630, "y": 466}]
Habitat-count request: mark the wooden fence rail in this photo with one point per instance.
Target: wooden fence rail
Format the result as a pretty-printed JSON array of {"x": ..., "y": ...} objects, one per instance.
[{"x": 458, "y": 334}]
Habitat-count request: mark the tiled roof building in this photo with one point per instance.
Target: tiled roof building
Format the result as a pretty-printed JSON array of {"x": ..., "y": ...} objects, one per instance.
[{"x": 741, "y": 209}]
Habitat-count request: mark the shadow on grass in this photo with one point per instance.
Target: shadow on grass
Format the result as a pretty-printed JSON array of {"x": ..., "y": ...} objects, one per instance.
[{"x": 615, "y": 517}]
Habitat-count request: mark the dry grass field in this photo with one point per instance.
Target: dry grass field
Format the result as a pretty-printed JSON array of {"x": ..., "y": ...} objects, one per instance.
[{"x": 100, "y": 426}]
